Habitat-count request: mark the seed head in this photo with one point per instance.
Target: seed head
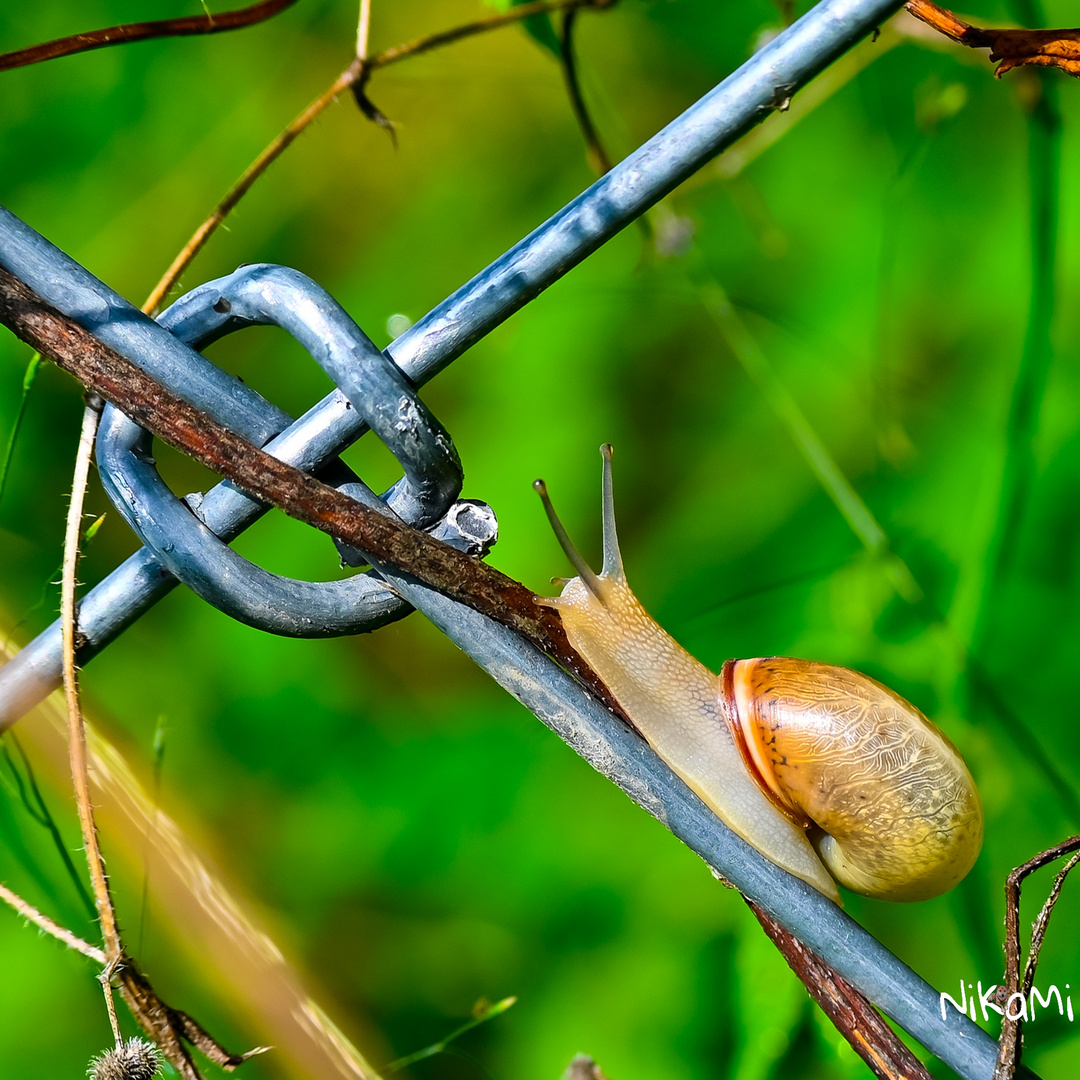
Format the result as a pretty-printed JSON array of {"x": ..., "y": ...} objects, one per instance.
[{"x": 136, "y": 1059}]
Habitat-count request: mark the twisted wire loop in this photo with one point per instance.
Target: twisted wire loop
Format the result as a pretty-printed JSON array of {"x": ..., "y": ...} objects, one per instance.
[{"x": 178, "y": 532}]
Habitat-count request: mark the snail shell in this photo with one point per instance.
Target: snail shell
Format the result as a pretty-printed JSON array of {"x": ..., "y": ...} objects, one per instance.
[
  {"x": 826, "y": 772},
  {"x": 886, "y": 798}
]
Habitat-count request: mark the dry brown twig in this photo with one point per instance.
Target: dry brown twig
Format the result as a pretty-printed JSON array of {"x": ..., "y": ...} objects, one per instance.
[
  {"x": 598, "y": 157},
  {"x": 143, "y": 31},
  {"x": 354, "y": 78},
  {"x": 866, "y": 1031},
  {"x": 1012, "y": 47},
  {"x": 1011, "y": 1026}
]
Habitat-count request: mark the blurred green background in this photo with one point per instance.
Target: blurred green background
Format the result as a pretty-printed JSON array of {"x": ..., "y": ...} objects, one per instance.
[{"x": 416, "y": 838}]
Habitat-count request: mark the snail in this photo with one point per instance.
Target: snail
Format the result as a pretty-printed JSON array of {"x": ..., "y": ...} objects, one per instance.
[{"x": 823, "y": 770}]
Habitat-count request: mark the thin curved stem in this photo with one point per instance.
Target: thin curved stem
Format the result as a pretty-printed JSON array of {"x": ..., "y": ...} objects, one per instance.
[
  {"x": 143, "y": 31},
  {"x": 351, "y": 77},
  {"x": 43, "y": 922},
  {"x": 110, "y": 932}
]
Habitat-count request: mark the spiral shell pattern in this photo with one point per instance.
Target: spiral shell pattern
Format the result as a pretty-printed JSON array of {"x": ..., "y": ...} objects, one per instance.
[{"x": 886, "y": 798}]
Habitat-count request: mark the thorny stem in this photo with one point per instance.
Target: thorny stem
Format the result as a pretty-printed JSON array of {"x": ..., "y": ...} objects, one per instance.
[
  {"x": 76, "y": 728},
  {"x": 360, "y": 67},
  {"x": 106, "y": 988},
  {"x": 43, "y": 922},
  {"x": 110, "y": 932}
]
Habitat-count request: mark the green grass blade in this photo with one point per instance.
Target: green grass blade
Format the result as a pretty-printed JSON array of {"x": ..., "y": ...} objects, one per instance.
[
  {"x": 9, "y": 448},
  {"x": 821, "y": 463}
]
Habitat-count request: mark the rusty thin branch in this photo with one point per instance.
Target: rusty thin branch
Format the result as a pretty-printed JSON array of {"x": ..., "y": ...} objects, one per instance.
[
  {"x": 300, "y": 495},
  {"x": 853, "y": 1015},
  {"x": 142, "y": 31},
  {"x": 458, "y": 576}
]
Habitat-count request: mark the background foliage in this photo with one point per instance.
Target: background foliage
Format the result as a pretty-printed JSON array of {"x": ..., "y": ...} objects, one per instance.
[{"x": 417, "y": 838}]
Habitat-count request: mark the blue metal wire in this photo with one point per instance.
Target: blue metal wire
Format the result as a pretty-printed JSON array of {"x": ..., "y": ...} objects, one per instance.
[{"x": 313, "y": 441}]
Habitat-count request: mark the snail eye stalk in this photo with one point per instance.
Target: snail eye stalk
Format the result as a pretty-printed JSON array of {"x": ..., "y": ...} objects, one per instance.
[
  {"x": 585, "y": 571},
  {"x": 613, "y": 565}
]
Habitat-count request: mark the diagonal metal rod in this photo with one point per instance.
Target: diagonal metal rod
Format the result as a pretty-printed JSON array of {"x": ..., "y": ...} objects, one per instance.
[{"x": 744, "y": 99}]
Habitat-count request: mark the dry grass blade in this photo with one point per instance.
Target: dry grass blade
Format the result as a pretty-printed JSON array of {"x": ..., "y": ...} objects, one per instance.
[{"x": 207, "y": 917}]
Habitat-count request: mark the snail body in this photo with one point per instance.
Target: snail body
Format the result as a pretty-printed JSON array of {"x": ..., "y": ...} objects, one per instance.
[{"x": 825, "y": 771}]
